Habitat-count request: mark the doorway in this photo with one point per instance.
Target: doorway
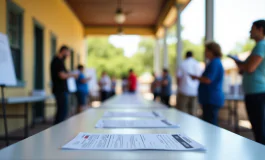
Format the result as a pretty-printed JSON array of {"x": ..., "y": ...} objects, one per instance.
[{"x": 38, "y": 88}]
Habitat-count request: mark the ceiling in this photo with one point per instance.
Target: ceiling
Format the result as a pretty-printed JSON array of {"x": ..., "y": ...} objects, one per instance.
[
  {"x": 101, "y": 12},
  {"x": 142, "y": 16}
]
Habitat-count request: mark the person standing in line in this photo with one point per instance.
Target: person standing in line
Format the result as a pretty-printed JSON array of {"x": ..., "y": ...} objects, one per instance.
[
  {"x": 155, "y": 87},
  {"x": 211, "y": 95},
  {"x": 187, "y": 87},
  {"x": 113, "y": 86},
  {"x": 82, "y": 89},
  {"x": 254, "y": 81},
  {"x": 132, "y": 81},
  {"x": 59, "y": 77},
  {"x": 166, "y": 83},
  {"x": 105, "y": 86},
  {"x": 124, "y": 84}
]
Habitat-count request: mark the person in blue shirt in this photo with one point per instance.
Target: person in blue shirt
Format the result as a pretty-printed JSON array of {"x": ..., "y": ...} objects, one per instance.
[
  {"x": 166, "y": 83},
  {"x": 254, "y": 81},
  {"x": 210, "y": 92},
  {"x": 82, "y": 89}
]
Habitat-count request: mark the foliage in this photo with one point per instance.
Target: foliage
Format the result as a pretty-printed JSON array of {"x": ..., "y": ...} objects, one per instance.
[
  {"x": 103, "y": 56},
  {"x": 145, "y": 54},
  {"x": 243, "y": 47}
]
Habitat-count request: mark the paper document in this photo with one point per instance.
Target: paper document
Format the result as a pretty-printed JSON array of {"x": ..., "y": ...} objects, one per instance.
[
  {"x": 235, "y": 58},
  {"x": 133, "y": 142},
  {"x": 153, "y": 123},
  {"x": 150, "y": 114},
  {"x": 71, "y": 84}
]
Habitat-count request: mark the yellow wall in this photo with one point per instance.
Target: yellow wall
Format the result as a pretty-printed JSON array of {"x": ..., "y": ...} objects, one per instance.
[
  {"x": 2, "y": 16},
  {"x": 56, "y": 17}
]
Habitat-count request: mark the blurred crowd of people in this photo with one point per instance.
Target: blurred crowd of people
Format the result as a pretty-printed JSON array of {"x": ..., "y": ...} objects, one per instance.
[
  {"x": 108, "y": 86},
  {"x": 195, "y": 85},
  {"x": 206, "y": 87},
  {"x": 161, "y": 87}
]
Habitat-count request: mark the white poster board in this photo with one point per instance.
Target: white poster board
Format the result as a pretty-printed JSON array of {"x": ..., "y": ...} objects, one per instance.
[{"x": 7, "y": 70}]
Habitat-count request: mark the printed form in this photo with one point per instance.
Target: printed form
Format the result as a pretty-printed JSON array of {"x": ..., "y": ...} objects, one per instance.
[
  {"x": 152, "y": 123},
  {"x": 86, "y": 141},
  {"x": 151, "y": 114}
]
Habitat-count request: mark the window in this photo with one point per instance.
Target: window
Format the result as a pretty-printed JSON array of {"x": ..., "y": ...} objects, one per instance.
[{"x": 14, "y": 32}]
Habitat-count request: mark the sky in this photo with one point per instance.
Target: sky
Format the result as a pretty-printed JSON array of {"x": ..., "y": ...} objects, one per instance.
[
  {"x": 128, "y": 43},
  {"x": 233, "y": 20}
]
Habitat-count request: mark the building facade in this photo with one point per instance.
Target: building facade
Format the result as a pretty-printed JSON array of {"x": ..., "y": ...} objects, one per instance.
[{"x": 36, "y": 30}]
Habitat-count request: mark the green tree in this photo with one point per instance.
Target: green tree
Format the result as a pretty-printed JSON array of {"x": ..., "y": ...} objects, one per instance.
[
  {"x": 103, "y": 56},
  {"x": 145, "y": 54},
  {"x": 243, "y": 47}
]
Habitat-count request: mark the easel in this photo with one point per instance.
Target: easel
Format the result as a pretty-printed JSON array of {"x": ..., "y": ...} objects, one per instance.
[
  {"x": 4, "y": 113},
  {"x": 8, "y": 77}
]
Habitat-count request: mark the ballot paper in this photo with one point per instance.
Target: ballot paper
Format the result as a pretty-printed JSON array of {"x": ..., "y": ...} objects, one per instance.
[
  {"x": 174, "y": 142},
  {"x": 152, "y": 123},
  {"x": 150, "y": 114}
]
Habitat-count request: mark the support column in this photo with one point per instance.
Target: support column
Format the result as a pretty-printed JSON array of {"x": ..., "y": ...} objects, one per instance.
[
  {"x": 209, "y": 19},
  {"x": 157, "y": 56},
  {"x": 179, "y": 38},
  {"x": 165, "y": 59}
]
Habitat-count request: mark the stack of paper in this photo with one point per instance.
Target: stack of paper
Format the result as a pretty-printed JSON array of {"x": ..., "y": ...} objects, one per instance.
[
  {"x": 132, "y": 142},
  {"x": 153, "y": 123}
]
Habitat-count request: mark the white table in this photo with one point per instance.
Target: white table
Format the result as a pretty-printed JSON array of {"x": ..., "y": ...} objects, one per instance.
[
  {"x": 131, "y": 100},
  {"x": 28, "y": 99},
  {"x": 220, "y": 143}
]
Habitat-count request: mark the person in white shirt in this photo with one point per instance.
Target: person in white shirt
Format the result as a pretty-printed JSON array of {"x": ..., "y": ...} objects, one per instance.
[
  {"x": 105, "y": 86},
  {"x": 187, "y": 87}
]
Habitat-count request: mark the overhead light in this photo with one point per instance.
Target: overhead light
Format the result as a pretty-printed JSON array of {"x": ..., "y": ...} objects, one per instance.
[{"x": 119, "y": 16}]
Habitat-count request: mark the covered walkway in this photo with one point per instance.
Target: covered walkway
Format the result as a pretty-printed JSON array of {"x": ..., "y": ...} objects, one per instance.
[
  {"x": 37, "y": 28},
  {"x": 35, "y": 36}
]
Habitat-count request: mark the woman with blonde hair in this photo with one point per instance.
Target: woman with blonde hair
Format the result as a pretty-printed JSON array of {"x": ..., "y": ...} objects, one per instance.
[{"x": 210, "y": 94}]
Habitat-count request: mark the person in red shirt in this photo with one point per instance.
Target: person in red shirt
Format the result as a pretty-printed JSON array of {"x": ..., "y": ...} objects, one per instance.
[{"x": 132, "y": 81}]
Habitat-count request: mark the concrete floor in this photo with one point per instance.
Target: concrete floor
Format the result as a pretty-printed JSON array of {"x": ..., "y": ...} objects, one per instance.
[{"x": 38, "y": 128}]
